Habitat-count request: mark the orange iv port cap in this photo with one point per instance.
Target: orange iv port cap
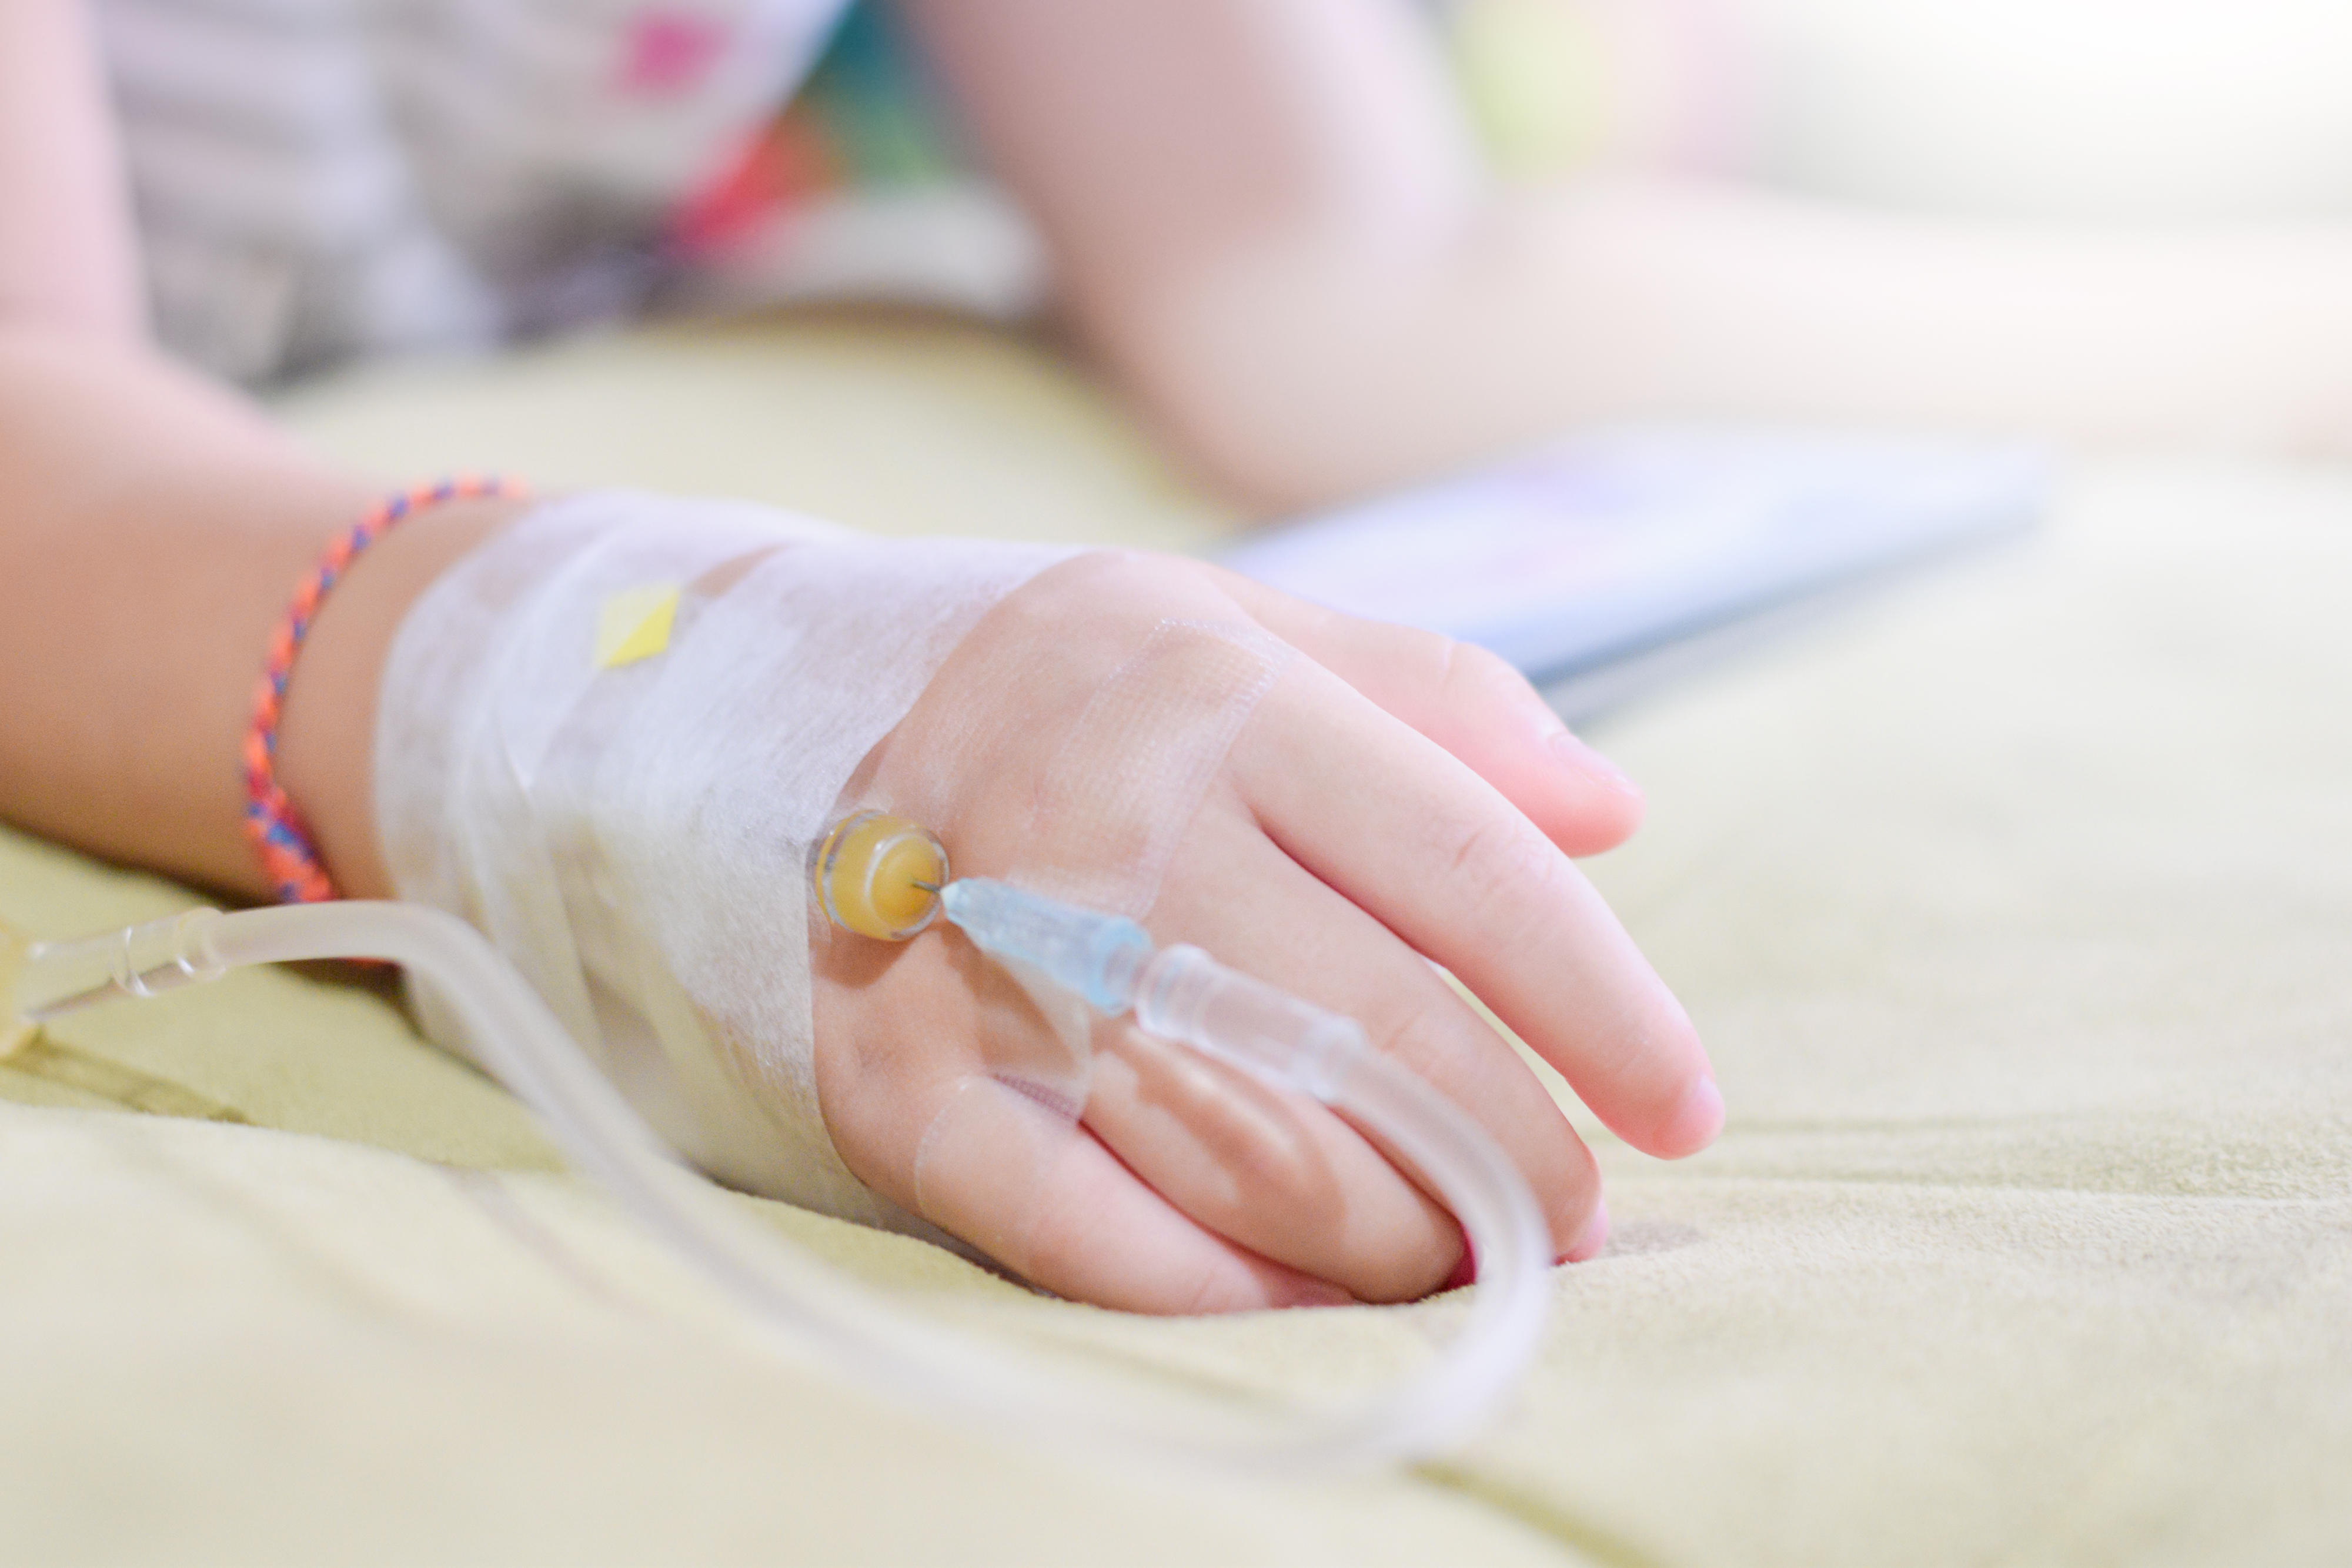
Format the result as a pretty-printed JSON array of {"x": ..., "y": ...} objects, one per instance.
[{"x": 879, "y": 875}]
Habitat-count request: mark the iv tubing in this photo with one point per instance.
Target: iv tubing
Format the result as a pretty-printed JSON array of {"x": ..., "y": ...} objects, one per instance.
[{"x": 851, "y": 1329}]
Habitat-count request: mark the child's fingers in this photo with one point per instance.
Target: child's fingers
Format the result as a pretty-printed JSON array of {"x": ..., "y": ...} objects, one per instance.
[
  {"x": 1427, "y": 848},
  {"x": 1241, "y": 898},
  {"x": 1471, "y": 702},
  {"x": 1039, "y": 1193},
  {"x": 1276, "y": 1172},
  {"x": 929, "y": 1039}
]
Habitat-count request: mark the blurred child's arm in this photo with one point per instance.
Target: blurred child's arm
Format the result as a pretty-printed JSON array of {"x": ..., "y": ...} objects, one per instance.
[
  {"x": 152, "y": 529},
  {"x": 67, "y": 256},
  {"x": 1270, "y": 218}
]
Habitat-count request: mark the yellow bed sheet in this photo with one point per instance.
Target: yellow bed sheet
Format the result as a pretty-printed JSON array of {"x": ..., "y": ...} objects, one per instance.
[{"x": 2016, "y": 908}]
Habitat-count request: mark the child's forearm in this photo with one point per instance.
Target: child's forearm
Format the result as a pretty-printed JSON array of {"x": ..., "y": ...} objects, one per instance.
[
  {"x": 152, "y": 530},
  {"x": 67, "y": 254},
  {"x": 1269, "y": 215},
  {"x": 1320, "y": 362}
]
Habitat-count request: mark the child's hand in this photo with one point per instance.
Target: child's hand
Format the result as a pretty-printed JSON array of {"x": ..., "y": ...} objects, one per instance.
[
  {"x": 1391, "y": 796},
  {"x": 1317, "y": 801}
]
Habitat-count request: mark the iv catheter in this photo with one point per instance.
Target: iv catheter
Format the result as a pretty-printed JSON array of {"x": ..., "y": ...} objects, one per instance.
[{"x": 888, "y": 878}]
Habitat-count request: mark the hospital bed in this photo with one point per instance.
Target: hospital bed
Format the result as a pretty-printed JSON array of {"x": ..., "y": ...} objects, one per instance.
[{"x": 2014, "y": 901}]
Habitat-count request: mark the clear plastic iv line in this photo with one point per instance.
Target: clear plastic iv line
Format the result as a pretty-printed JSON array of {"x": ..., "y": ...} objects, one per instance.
[
  {"x": 1180, "y": 993},
  {"x": 833, "y": 1324}
]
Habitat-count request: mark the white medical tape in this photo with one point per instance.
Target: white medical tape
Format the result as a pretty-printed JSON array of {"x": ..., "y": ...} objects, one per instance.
[
  {"x": 1130, "y": 776},
  {"x": 629, "y": 819}
]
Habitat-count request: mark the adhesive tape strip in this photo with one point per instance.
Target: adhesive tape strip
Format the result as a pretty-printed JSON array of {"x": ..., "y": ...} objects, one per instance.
[{"x": 1128, "y": 780}]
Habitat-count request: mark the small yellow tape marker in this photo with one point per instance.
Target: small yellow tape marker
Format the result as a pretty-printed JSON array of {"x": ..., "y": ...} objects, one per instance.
[{"x": 636, "y": 623}]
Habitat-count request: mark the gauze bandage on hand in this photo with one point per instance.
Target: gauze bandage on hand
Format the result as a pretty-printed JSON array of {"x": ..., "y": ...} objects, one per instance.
[
  {"x": 611, "y": 737},
  {"x": 608, "y": 737}
]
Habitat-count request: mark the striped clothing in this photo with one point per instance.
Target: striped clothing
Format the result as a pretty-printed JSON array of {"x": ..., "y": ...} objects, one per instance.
[{"x": 316, "y": 179}]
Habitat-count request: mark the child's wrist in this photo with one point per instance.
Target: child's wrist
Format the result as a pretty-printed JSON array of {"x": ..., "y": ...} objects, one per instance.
[{"x": 327, "y": 729}]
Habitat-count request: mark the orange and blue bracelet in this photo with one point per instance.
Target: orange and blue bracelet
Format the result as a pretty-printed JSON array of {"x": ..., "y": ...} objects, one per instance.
[{"x": 287, "y": 853}]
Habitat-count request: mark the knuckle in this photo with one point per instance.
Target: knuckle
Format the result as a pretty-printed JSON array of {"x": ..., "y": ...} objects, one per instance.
[
  {"x": 1217, "y": 1286},
  {"x": 1277, "y": 1168},
  {"x": 1411, "y": 1267},
  {"x": 1472, "y": 672},
  {"x": 1495, "y": 859},
  {"x": 1418, "y": 1038},
  {"x": 1053, "y": 1249}
]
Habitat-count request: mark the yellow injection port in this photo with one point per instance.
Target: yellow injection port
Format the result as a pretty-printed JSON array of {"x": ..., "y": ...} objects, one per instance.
[{"x": 879, "y": 875}]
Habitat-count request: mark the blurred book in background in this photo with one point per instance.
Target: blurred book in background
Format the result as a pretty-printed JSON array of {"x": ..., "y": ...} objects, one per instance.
[{"x": 1608, "y": 562}]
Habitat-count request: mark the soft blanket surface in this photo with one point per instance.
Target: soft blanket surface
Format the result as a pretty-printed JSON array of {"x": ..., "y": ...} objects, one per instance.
[{"x": 2015, "y": 905}]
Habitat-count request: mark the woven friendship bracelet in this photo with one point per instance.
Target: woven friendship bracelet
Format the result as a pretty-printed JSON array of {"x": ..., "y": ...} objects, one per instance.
[{"x": 287, "y": 853}]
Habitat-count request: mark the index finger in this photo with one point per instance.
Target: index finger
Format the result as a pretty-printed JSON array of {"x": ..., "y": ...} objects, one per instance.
[
  {"x": 1412, "y": 835},
  {"x": 1471, "y": 702}
]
